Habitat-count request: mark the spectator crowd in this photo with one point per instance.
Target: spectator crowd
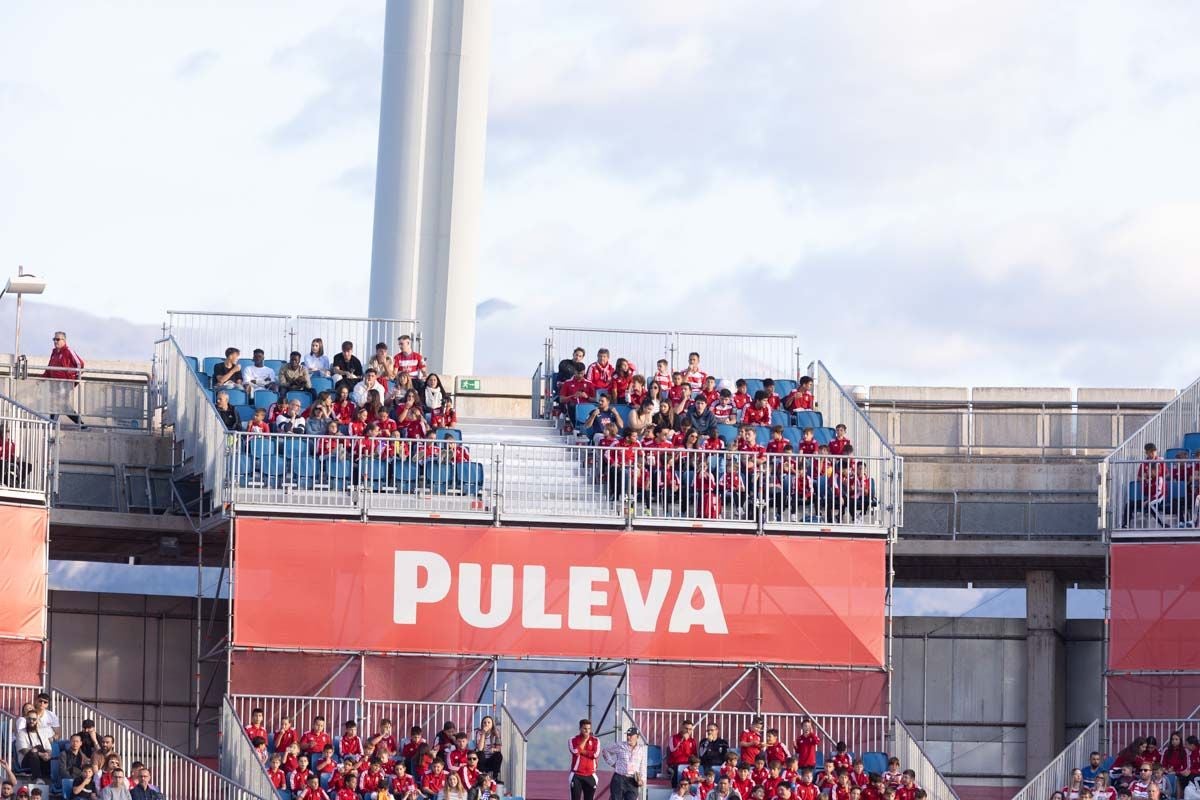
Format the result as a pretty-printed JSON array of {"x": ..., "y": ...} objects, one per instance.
[{"x": 1140, "y": 771}]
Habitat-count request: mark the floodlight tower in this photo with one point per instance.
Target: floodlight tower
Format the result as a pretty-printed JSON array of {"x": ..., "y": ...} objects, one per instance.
[{"x": 429, "y": 176}]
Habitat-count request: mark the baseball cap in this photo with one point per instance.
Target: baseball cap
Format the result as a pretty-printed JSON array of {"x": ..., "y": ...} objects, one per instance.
[
  {"x": 23, "y": 791},
  {"x": 632, "y": 731}
]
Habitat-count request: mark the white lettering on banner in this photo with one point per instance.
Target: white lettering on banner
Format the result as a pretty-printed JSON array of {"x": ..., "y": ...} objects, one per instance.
[{"x": 425, "y": 578}]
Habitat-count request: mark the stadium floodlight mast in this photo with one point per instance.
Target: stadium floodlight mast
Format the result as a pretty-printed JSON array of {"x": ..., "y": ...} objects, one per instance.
[{"x": 21, "y": 285}]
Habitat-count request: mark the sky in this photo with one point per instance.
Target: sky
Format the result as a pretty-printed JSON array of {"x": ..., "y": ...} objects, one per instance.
[{"x": 937, "y": 193}]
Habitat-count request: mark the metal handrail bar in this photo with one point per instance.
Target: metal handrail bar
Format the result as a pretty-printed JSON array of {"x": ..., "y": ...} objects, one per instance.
[
  {"x": 913, "y": 756},
  {"x": 827, "y": 375},
  {"x": 1057, "y": 773},
  {"x": 229, "y": 314}
]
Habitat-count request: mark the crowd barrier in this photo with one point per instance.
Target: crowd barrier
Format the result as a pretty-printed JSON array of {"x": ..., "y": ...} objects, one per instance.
[
  {"x": 97, "y": 398},
  {"x": 1123, "y": 731},
  {"x": 15, "y": 695},
  {"x": 205, "y": 333},
  {"x": 1057, "y": 773},
  {"x": 1155, "y": 498},
  {"x": 1000, "y": 514},
  {"x": 26, "y": 454},
  {"x": 861, "y": 733},
  {"x": 531, "y": 482},
  {"x": 176, "y": 775},
  {"x": 912, "y": 756},
  {"x": 237, "y": 758}
]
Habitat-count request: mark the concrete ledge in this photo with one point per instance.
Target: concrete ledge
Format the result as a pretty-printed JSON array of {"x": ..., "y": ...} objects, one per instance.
[
  {"x": 1123, "y": 396},
  {"x": 917, "y": 394},
  {"x": 1020, "y": 394}
]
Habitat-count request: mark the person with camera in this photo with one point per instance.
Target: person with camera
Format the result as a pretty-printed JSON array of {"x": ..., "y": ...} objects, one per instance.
[{"x": 33, "y": 748}]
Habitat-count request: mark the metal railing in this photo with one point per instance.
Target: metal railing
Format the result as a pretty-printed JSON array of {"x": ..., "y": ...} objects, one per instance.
[
  {"x": 538, "y": 388},
  {"x": 912, "y": 756},
  {"x": 1166, "y": 430},
  {"x": 1000, "y": 514},
  {"x": 1153, "y": 497},
  {"x": 430, "y": 715},
  {"x": 100, "y": 398},
  {"x": 606, "y": 485},
  {"x": 176, "y": 775},
  {"x": 8, "y": 729},
  {"x": 968, "y": 428},
  {"x": 1057, "y": 773},
  {"x": 27, "y": 440},
  {"x": 301, "y": 711},
  {"x": 861, "y": 733},
  {"x": 725, "y": 355},
  {"x": 15, "y": 695},
  {"x": 200, "y": 434},
  {"x": 1123, "y": 731},
  {"x": 208, "y": 333},
  {"x": 237, "y": 758},
  {"x": 516, "y": 756}
]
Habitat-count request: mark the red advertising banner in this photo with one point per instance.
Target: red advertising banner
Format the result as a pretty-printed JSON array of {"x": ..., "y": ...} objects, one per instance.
[
  {"x": 23, "y": 578},
  {"x": 1155, "y": 607},
  {"x": 554, "y": 592}
]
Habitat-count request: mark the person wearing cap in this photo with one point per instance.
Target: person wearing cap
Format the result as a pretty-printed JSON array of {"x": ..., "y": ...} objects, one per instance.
[{"x": 628, "y": 762}]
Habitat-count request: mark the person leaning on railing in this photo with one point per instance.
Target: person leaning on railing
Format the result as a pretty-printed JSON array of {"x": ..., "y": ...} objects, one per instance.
[{"x": 65, "y": 367}]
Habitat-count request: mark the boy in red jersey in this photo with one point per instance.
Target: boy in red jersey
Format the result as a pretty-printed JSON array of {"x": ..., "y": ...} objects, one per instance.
[
  {"x": 710, "y": 392},
  {"x": 874, "y": 790},
  {"x": 662, "y": 375},
  {"x": 350, "y": 743},
  {"x": 285, "y": 736},
  {"x": 326, "y": 764},
  {"x": 691, "y": 772},
  {"x": 315, "y": 739},
  {"x": 806, "y": 745},
  {"x": 434, "y": 780},
  {"x": 725, "y": 412},
  {"x": 275, "y": 772},
  {"x": 775, "y": 750},
  {"x": 741, "y": 394},
  {"x": 444, "y": 417},
  {"x": 347, "y": 789},
  {"x": 255, "y": 728},
  {"x": 402, "y": 786},
  {"x": 584, "y": 750},
  {"x": 299, "y": 777},
  {"x": 694, "y": 376},
  {"x": 893, "y": 776},
  {"x": 801, "y": 398},
  {"x": 680, "y": 394},
  {"x": 600, "y": 373},
  {"x": 827, "y": 780},
  {"x": 730, "y": 768},
  {"x": 385, "y": 736},
  {"x": 387, "y": 425},
  {"x": 759, "y": 413},
  {"x": 808, "y": 442},
  {"x": 805, "y": 788},
  {"x": 774, "y": 776},
  {"x": 456, "y": 754},
  {"x": 841, "y": 759},
  {"x": 312, "y": 790},
  {"x": 858, "y": 774},
  {"x": 791, "y": 771},
  {"x": 707, "y": 784},
  {"x": 777, "y": 443},
  {"x": 743, "y": 784},
  {"x": 773, "y": 400},
  {"x": 750, "y": 741},
  {"x": 258, "y": 423},
  {"x": 784, "y": 791},
  {"x": 839, "y": 444},
  {"x": 573, "y": 392},
  {"x": 760, "y": 773}
]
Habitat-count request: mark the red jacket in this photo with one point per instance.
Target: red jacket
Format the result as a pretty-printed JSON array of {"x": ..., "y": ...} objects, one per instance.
[{"x": 67, "y": 361}]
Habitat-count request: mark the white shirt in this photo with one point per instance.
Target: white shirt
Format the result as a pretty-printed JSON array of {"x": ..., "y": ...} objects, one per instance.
[
  {"x": 316, "y": 363},
  {"x": 626, "y": 760},
  {"x": 259, "y": 376},
  {"x": 30, "y": 740},
  {"x": 49, "y": 719},
  {"x": 359, "y": 395}
]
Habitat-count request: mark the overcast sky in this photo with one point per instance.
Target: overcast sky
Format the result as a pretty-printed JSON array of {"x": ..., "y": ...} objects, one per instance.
[{"x": 928, "y": 193}]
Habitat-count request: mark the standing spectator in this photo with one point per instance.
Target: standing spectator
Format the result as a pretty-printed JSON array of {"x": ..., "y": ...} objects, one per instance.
[
  {"x": 569, "y": 366},
  {"x": 143, "y": 790},
  {"x": 228, "y": 373},
  {"x": 488, "y": 746},
  {"x": 256, "y": 727},
  {"x": 346, "y": 367},
  {"x": 33, "y": 748},
  {"x": 316, "y": 362},
  {"x": 227, "y": 412},
  {"x": 72, "y": 759},
  {"x": 694, "y": 376},
  {"x": 750, "y": 742},
  {"x": 806, "y": 745},
  {"x": 65, "y": 367},
  {"x": 1152, "y": 479},
  {"x": 628, "y": 762},
  {"x": 584, "y": 749},
  {"x": 410, "y": 361},
  {"x": 294, "y": 376},
  {"x": 680, "y": 749},
  {"x": 259, "y": 375},
  {"x": 433, "y": 392}
]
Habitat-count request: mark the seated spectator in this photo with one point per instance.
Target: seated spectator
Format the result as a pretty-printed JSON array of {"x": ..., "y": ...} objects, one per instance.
[
  {"x": 358, "y": 425},
  {"x": 294, "y": 376},
  {"x": 839, "y": 444},
  {"x": 292, "y": 420},
  {"x": 399, "y": 388},
  {"x": 258, "y": 423},
  {"x": 13, "y": 470},
  {"x": 1092, "y": 769},
  {"x": 108, "y": 747},
  {"x": 318, "y": 419},
  {"x": 723, "y": 409},
  {"x": 710, "y": 391},
  {"x": 773, "y": 400},
  {"x": 410, "y": 361},
  {"x": 228, "y": 373},
  {"x": 316, "y": 362},
  {"x": 444, "y": 417},
  {"x": 665, "y": 416},
  {"x": 569, "y": 366},
  {"x": 83, "y": 785},
  {"x": 700, "y": 418},
  {"x": 603, "y": 414},
  {"x": 72, "y": 759},
  {"x": 741, "y": 395},
  {"x": 638, "y": 393},
  {"x": 331, "y": 444},
  {"x": 33, "y": 746},
  {"x": 1100, "y": 788},
  {"x": 680, "y": 394},
  {"x": 259, "y": 375},
  {"x": 91, "y": 742},
  {"x": 278, "y": 410},
  {"x": 600, "y": 373},
  {"x": 387, "y": 425},
  {"x": 801, "y": 398},
  {"x": 641, "y": 418},
  {"x": 285, "y": 736},
  {"x": 622, "y": 381},
  {"x": 1151, "y": 474},
  {"x": 346, "y": 367},
  {"x": 414, "y": 426},
  {"x": 368, "y": 385},
  {"x": 383, "y": 363},
  {"x": 759, "y": 413},
  {"x": 108, "y": 773},
  {"x": 343, "y": 407},
  {"x": 143, "y": 790},
  {"x": 433, "y": 391},
  {"x": 573, "y": 392}
]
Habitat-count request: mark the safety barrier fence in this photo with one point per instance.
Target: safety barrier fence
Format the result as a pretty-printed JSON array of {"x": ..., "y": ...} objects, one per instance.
[
  {"x": 1057, "y": 773},
  {"x": 861, "y": 733},
  {"x": 14, "y": 695},
  {"x": 1153, "y": 497},
  {"x": 728, "y": 356},
  {"x": 238, "y": 760},
  {"x": 912, "y": 756},
  {"x": 1045, "y": 430},
  {"x": 200, "y": 434},
  {"x": 515, "y": 747},
  {"x": 204, "y": 333},
  {"x": 26, "y": 453},
  {"x": 99, "y": 398},
  {"x": 1000, "y": 514},
  {"x": 607, "y": 484},
  {"x": 8, "y": 731},
  {"x": 176, "y": 775},
  {"x": 1123, "y": 731}
]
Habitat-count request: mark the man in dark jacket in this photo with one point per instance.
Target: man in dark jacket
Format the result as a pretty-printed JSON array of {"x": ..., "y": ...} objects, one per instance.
[
  {"x": 712, "y": 749},
  {"x": 701, "y": 417},
  {"x": 72, "y": 759}
]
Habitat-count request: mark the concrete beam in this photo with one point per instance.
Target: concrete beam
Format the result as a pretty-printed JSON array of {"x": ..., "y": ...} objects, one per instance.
[
  {"x": 1046, "y": 668},
  {"x": 988, "y": 562}
]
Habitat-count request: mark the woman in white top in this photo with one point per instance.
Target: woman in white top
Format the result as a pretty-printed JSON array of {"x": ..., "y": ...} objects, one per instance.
[
  {"x": 433, "y": 392},
  {"x": 1075, "y": 786},
  {"x": 487, "y": 745},
  {"x": 453, "y": 790},
  {"x": 316, "y": 362}
]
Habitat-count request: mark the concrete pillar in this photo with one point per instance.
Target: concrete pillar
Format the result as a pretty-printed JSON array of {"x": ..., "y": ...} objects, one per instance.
[{"x": 1046, "y": 670}]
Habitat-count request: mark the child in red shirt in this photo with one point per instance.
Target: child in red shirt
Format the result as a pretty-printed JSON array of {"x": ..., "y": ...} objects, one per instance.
[{"x": 801, "y": 398}]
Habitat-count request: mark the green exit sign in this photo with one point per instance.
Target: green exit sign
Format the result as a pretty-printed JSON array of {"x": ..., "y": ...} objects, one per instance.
[{"x": 469, "y": 385}]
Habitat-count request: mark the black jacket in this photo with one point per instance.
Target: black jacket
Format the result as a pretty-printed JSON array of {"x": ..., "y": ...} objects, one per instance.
[{"x": 712, "y": 753}]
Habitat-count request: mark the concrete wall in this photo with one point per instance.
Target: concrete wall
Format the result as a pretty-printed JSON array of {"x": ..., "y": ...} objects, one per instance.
[
  {"x": 959, "y": 685},
  {"x": 132, "y": 656}
]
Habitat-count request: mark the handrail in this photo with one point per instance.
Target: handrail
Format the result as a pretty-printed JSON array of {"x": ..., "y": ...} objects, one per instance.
[
  {"x": 1057, "y": 773},
  {"x": 912, "y": 756},
  {"x": 27, "y": 472},
  {"x": 515, "y": 752},
  {"x": 237, "y": 758},
  {"x": 8, "y": 727},
  {"x": 177, "y": 775}
]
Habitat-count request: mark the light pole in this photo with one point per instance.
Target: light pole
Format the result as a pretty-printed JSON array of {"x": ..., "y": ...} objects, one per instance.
[{"x": 20, "y": 286}]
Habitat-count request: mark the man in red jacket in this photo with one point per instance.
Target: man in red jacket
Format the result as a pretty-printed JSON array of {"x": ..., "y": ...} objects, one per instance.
[{"x": 64, "y": 367}]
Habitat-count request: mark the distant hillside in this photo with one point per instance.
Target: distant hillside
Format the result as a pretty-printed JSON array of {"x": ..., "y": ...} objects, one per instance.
[{"x": 95, "y": 337}]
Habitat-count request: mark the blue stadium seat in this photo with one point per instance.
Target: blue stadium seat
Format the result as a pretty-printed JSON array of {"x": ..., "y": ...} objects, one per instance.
[
  {"x": 305, "y": 471},
  {"x": 407, "y": 475},
  {"x": 470, "y": 478},
  {"x": 237, "y": 397},
  {"x": 321, "y": 384},
  {"x": 247, "y": 470},
  {"x": 1135, "y": 490},
  {"x": 245, "y": 362},
  {"x": 762, "y": 434},
  {"x": 274, "y": 363},
  {"x": 205, "y": 380},
  {"x": 244, "y": 413},
  {"x": 784, "y": 387},
  {"x": 67, "y": 785},
  {"x": 824, "y": 435},
  {"x": 781, "y": 417},
  {"x": 192, "y": 362},
  {"x": 304, "y": 396},
  {"x": 295, "y": 447},
  {"x": 582, "y": 410},
  {"x": 211, "y": 362},
  {"x": 624, "y": 410},
  {"x": 450, "y": 433},
  {"x": 337, "y": 472},
  {"x": 1191, "y": 442},
  {"x": 809, "y": 419},
  {"x": 727, "y": 432},
  {"x": 654, "y": 761},
  {"x": 439, "y": 477},
  {"x": 265, "y": 398},
  {"x": 821, "y": 760},
  {"x": 753, "y": 385},
  {"x": 875, "y": 762},
  {"x": 793, "y": 435}
]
